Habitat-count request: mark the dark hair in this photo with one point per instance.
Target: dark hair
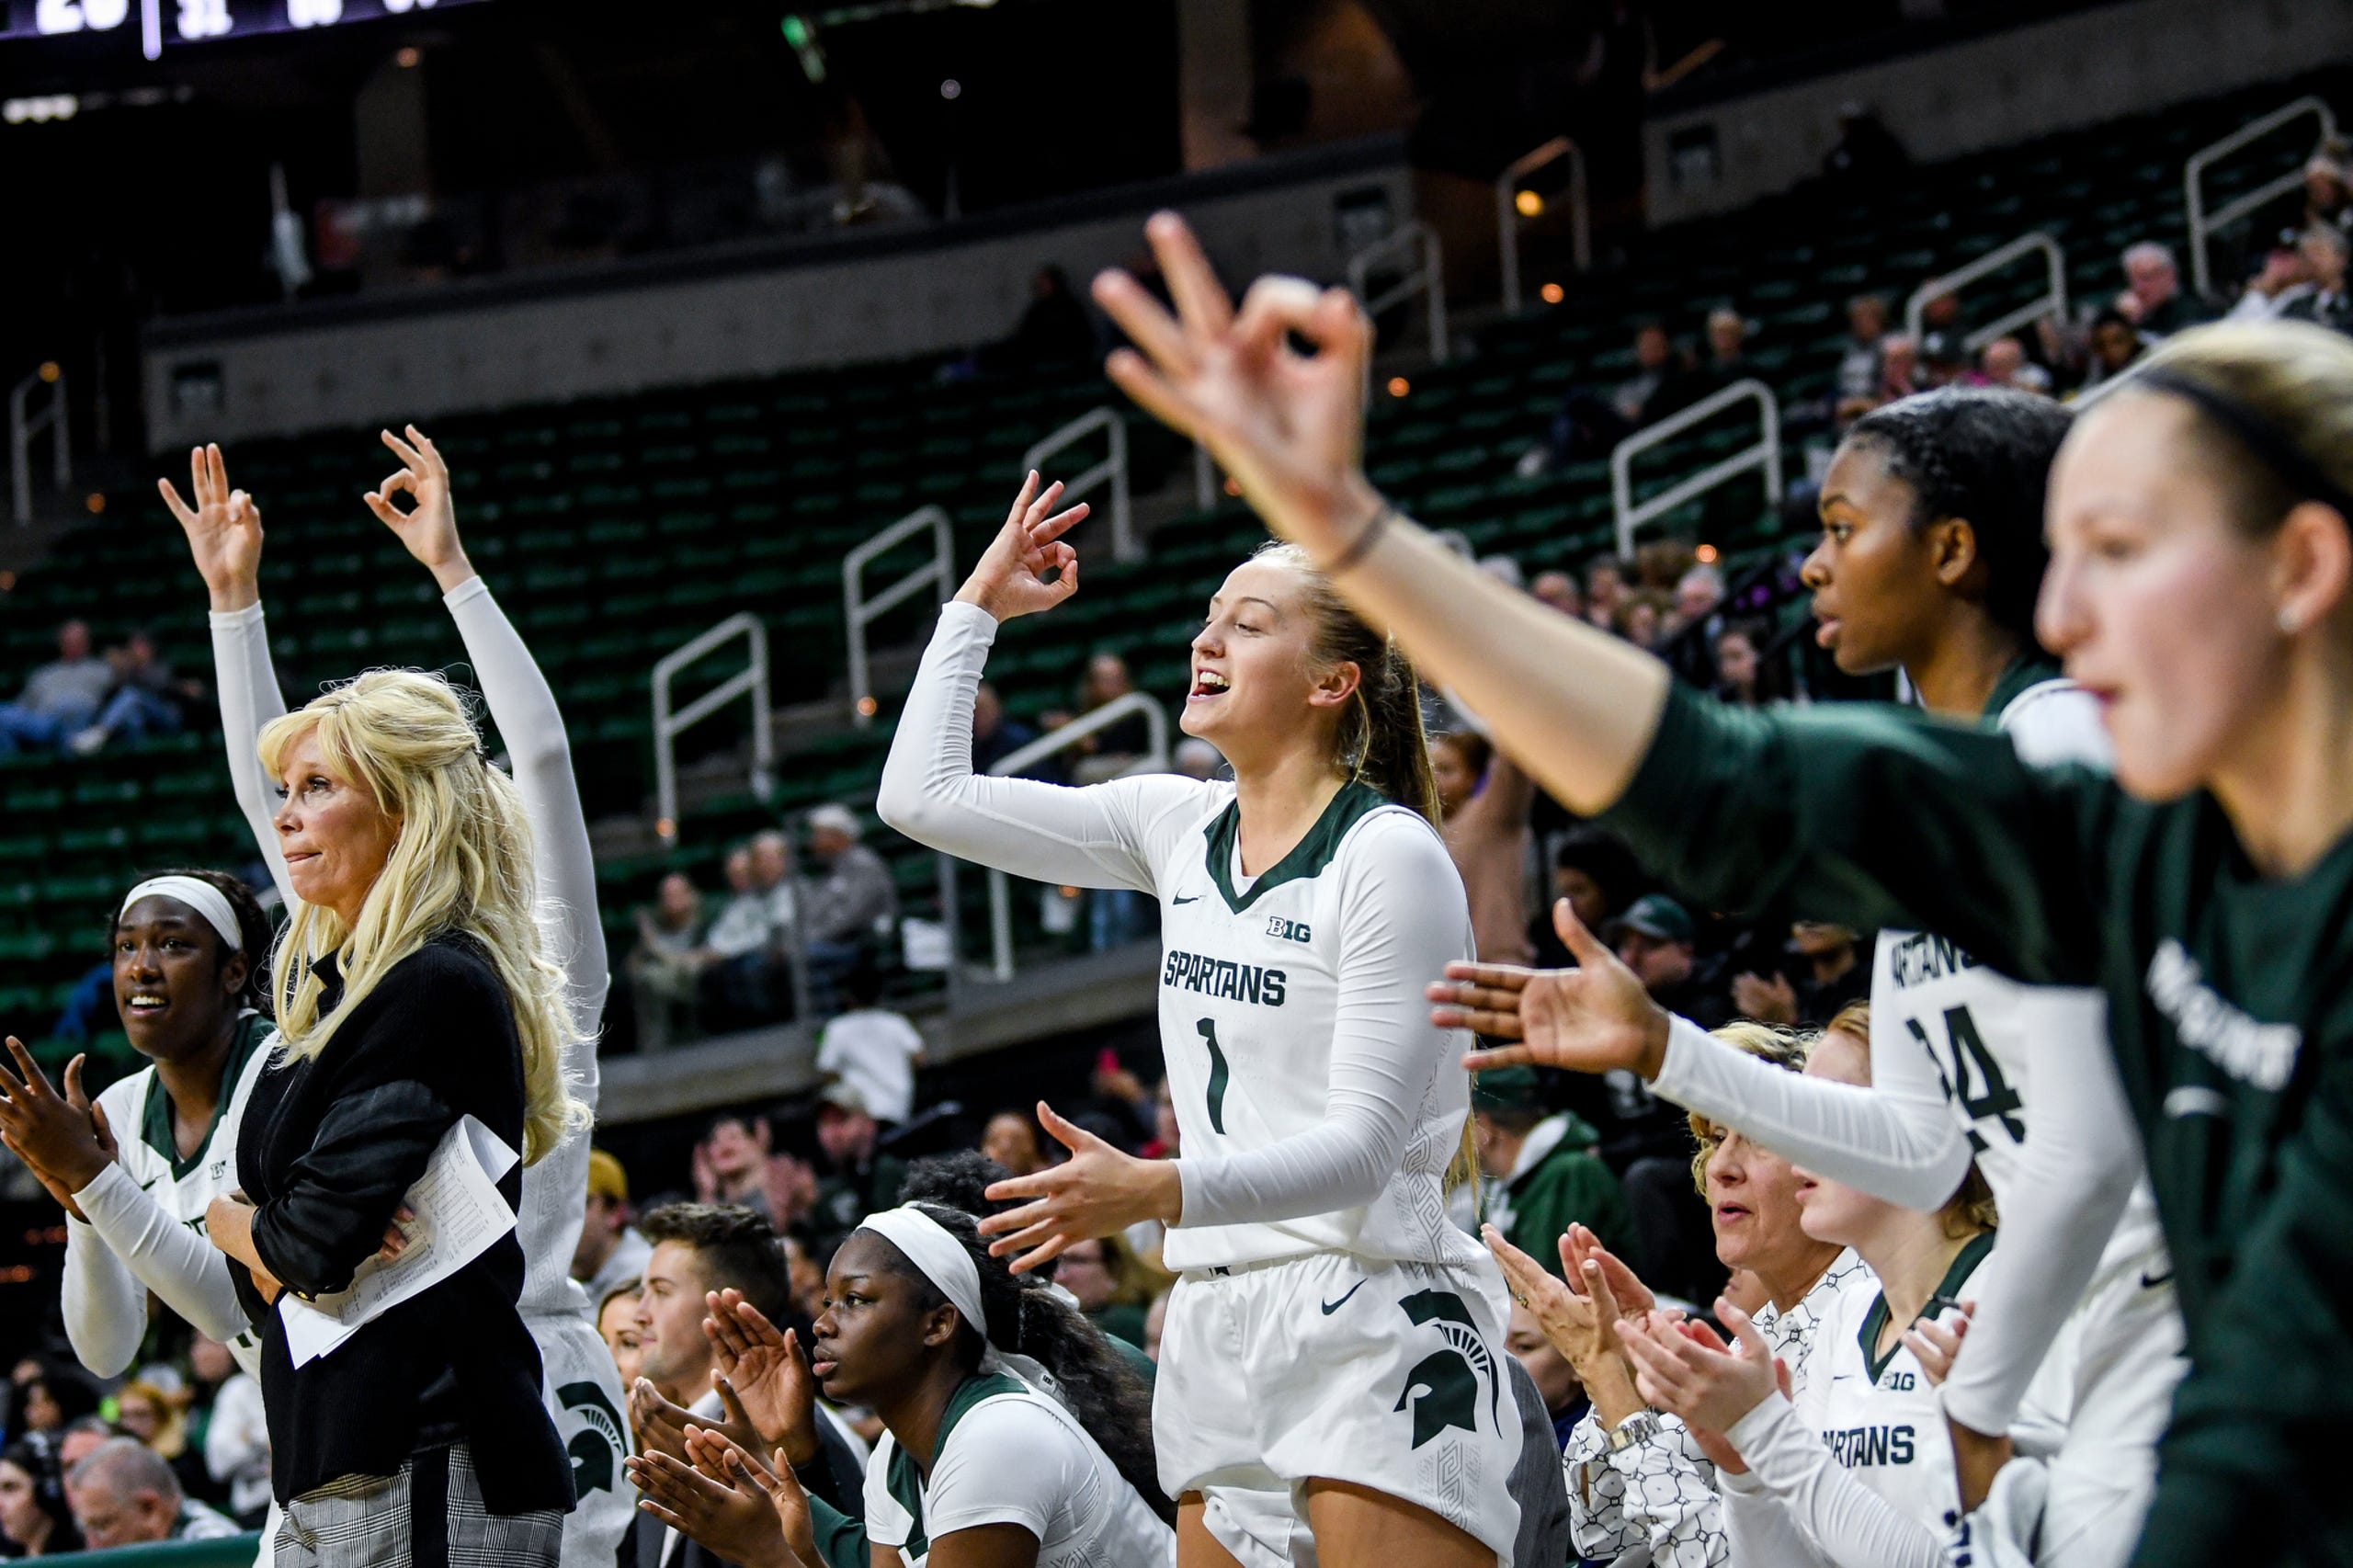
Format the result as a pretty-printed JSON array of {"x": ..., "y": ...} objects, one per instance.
[
  {"x": 737, "y": 1247},
  {"x": 957, "y": 1181},
  {"x": 609, "y": 1296},
  {"x": 1382, "y": 742},
  {"x": 255, "y": 931},
  {"x": 39, "y": 1460},
  {"x": 1981, "y": 454},
  {"x": 1604, "y": 859},
  {"x": 72, "y": 1390},
  {"x": 1475, "y": 750},
  {"x": 1028, "y": 1317},
  {"x": 863, "y": 984}
]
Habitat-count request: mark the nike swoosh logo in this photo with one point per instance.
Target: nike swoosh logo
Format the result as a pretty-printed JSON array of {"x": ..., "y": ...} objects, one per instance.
[
  {"x": 1331, "y": 1307},
  {"x": 2151, "y": 1281},
  {"x": 1195, "y": 899},
  {"x": 149, "y": 1185}
]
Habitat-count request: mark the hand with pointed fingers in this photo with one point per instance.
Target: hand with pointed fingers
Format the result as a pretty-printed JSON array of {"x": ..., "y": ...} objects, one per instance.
[
  {"x": 733, "y": 1519},
  {"x": 57, "y": 1136},
  {"x": 1288, "y": 427},
  {"x": 1570, "y": 1321},
  {"x": 429, "y": 528},
  {"x": 1009, "y": 579},
  {"x": 768, "y": 1373},
  {"x": 1098, "y": 1191},
  {"x": 1588, "y": 1019},
  {"x": 1934, "y": 1342},
  {"x": 223, "y": 529},
  {"x": 661, "y": 1425},
  {"x": 1687, "y": 1369}
]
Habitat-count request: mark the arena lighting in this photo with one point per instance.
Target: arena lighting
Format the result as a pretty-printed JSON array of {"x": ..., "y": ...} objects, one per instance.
[
  {"x": 867, "y": 706},
  {"x": 1707, "y": 555},
  {"x": 95, "y": 501},
  {"x": 1552, "y": 293},
  {"x": 1399, "y": 386},
  {"x": 49, "y": 372},
  {"x": 1528, "y": 203},
  {"x": 40, "y": 111},
  {"x": 407, "y": 57},
  {"x": 951, "y": 89}
]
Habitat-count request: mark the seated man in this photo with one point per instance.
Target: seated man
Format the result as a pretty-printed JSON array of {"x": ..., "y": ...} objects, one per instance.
[
  {"x": 60, "y": 698},
  {"x": 123, "y": 1493}
]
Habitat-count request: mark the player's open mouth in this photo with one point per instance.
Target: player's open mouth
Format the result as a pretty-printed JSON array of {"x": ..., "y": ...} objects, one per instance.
[
  {"x": 1730, "y": 1214},
  {"x": 144, "y": 1003},
  {"x": 1826, "y": 634},
  {"x": 1206, "y": 685}
]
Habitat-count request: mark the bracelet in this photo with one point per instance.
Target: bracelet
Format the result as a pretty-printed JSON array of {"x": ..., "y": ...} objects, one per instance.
[{"x": 1367, "y": 537}]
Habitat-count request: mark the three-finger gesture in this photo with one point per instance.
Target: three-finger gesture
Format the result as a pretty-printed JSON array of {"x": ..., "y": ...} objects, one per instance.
[
  {"x": 62, "y": 1138},
  {"x": 1591, "y": 1018},
  {"x": 223, "y": 529},
  {"x": 429, "y": 528},
  {"x": 1098, "y": 1191},
  {"x": 1009, "y": 579},
  {"x": 1288, "y": 427}
]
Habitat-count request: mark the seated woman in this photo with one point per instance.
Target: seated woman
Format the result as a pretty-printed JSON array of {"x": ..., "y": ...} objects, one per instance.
[{"x": 1014, "y": 1436}]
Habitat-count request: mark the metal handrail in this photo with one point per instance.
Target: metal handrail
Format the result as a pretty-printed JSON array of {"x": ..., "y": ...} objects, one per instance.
[
  {"x": 1154, "y": 760},
  {"x": 24, "y": 426},
  {"x": 668, "y": 726},
  {"x": 859, "y": 611},
  {"x": 1428, "y": 279},
  {"x": 1125, "y": 546},
  {"x": 2052, "y": 300},
  {"x": 1508, "y": 212},
  {"x": 1765, "y": 454},
  {"x": 2193, "y": 187}
]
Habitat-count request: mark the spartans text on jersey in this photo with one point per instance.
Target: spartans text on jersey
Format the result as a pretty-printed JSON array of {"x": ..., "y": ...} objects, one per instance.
[{"x": 1223, "y": 978}]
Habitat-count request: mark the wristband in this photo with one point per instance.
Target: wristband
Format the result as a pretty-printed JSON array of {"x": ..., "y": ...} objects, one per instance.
[{"x": 1361, "y": 546}]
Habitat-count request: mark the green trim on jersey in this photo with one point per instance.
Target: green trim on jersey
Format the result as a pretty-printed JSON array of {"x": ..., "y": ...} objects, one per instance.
[
  {"x": 155, "y": 1118},
  {"x": 1307, "y": 858},
  {"x": 905, "y": 1484},
  {"x": 1946, "y": 1293},
  {"x": 2033, "y": 668}
]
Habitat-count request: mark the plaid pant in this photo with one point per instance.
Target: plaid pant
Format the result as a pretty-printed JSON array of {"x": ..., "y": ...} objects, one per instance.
[{"x": 428, "y": 1515}]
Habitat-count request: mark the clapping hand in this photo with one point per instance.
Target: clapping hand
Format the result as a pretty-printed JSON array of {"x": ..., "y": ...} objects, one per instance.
[
  {"x": 224, "y": 531},
  {"x": 767, "y": 1372},
  {"x": 1098, "y": 1191},
  {"x": 1687, "y": 1369},
  {"x": 723, "y": 1500},
  {"x": 1009, "y": 579},
  {"x": 1590, "y": 1019},
  {"x": 661, "y": 1425},
  {"x": 62, "y": 1138}
]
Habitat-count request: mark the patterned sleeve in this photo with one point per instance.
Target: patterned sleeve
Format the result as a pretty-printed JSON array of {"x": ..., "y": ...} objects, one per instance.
[{"x": 1660, "y": 1495}]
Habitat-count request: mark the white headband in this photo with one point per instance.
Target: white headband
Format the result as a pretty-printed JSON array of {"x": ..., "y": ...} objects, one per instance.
[
  {"x": 201, "y": 896},
  {"x": 937, "y": 1256}
]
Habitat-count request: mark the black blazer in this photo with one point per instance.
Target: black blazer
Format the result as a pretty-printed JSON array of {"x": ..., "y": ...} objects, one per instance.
[{"x": 327, "y": 1150}]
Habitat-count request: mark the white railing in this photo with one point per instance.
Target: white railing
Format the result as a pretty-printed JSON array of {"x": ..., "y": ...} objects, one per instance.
[
  {"x": 2203, "y": 223},
  {"x": 668, "y": 724},
  {"x": 2051, "y": 301},
  {"x": 861, "y": 610},
  {"x": 1125, "y": 546},
  {"x": 1426, "y": 277},
  {"x": 1764, "y": 453},
  {"x": 1507, "y": 213},
  {"x": 24, "y": 425},
  {"x": 1154, "y": 760}
]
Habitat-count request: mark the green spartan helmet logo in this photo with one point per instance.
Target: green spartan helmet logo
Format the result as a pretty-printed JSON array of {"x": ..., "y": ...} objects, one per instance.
[
  {"x": 595, "y": 1448},
  {"x": 1443, "y": 1387}
]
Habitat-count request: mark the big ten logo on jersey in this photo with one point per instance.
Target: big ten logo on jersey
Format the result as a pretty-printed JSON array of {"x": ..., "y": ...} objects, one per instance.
[
  {"x": 1288, "y": 931},
  {"x": 1972, "y": 1076},
  {"x": 1899, "y": 1383}
]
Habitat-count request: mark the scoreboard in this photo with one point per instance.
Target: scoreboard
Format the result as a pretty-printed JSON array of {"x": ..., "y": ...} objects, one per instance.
[{"x": 158, "y": 25}]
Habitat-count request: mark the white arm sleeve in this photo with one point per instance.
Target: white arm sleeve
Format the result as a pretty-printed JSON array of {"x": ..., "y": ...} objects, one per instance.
[
  {"x": 1762, "y": 1532},
  {"x": 1659, "y": 1496},
  {"x": 249, "y": 699},
  {"x": 2074, "y": 1174},
  {"x": 1854, "y": 1526},
  {"x": 1895, "y": 1140},
  {"x": 167, "y": 1258},
  {"x": 1402, "y": 919},
  {"x": 105, "y": 1308},
  {"x": 1104, "y": 835}
]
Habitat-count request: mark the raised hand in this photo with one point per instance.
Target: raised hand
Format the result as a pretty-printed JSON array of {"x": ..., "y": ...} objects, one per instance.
[
  {"x": 733, "y": 1519},
  {"x": 429, "y": 529},
  {"x": 791, "y": 1500},
  {"x": 54, "y": 1134},
  {"x": 1098, "y": 1191},
  {"x": 1687, "y": 1369},
  {"x": 223, "y": 529},
  {"x": 1934, "y": 1342},
  {"x": 1590, "y": 1018},
  {"x": 1769, "y": 1000},
  {"x": 1573, "y": 1322},
  {"x": 1288, "y": 427},
  {"x": 1581, "y": 1250},
  {"x": 1009, "y": 579},
  {"x": 767, "y": 1372}
]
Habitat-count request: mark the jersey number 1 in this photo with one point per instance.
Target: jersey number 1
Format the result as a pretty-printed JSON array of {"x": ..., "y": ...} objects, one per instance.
[
  {"x": 1972, "y": 1077},
  {"x": 1208, "y": 1028}
]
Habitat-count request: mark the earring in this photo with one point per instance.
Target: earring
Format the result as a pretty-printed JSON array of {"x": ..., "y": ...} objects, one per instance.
[{"x": 2290, "y": 622}]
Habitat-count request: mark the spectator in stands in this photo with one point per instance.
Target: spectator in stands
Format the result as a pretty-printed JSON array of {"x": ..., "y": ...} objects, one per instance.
[
  {"x": 1866, "y": 149},
  {"x": 1055, "y": 328},
  {"x": 1728, "y": 359},
  {"x": 1555, "y": 1379},
  {"x": 145, "y": 700},
  {"x": 2003, "y": 363},
  {"x": 1835, "y": 976},
  {"x": 60, "y": 698},
  {"x": 1598, "y": 875},
  {"x": 124, "y": 1495},
  {"x": 2115, "y": 346},
  {"x": 1589, "y": 424},
  {"x": 853, "y": 903},
  {"x": 1605, "y": 590},
  {"x": 34, "y": 1516},
  {"x": 1858, "y": 360},
  {"x": 1944, "y": 361},
  {"x": 1197, "y": 759},
  {"x": 860, "y": 1180},
  {"x": 808, "y": 1275},
  {"x": 665, "y": 968},
  {"x": 1898, "y": 367},
  {"x": 83, "y": 1436},
  {"x": 994, "y": 736},
  {"x": 1011, "y": 1140},
  {"x": 52, "y": 1395},
  {"x": 2284, "y": 277},
  {"x": 1113, "y": 1285},
  {"x": 2328, "y": 183},
  {"x": 2325, "y": 248},
  {"x": 1541, "y": 1173},
  {"x": 1737, "y": 664},
  {"x": 736, "y": 1165},
  {"x": 1111, "y": 751},
  {"x": 872, "y": 1049},
  {"x": 1656, "y": 939},
  {"x": 1504, "y": 568},
  {"x": 735, "y": 978},
  {"x": 2153, "y": 299},
  {"x": 1558, "y": 589},
  {"x": 237, "y": 1438},
  {"x": 1639, "y": 616},
  {"x": 616, "y": 1326},
  {"x": 146, "y": 1410},
  {"x": 1484, "y": 800},
  {"x": 610, "y": 1252}
]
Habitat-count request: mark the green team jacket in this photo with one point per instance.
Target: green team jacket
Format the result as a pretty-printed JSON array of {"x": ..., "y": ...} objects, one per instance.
[
  {"x": 2230, "y": 1014},
  {"x": 1568, "y": 1186}
]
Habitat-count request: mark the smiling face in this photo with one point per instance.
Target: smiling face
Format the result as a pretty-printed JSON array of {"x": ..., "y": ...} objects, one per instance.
[
  {"x": 174, "y": 982},
  {"x": 1831, "y": 1211},
  {"x": 875, "y": 1325},
  {"x": 1256, "y": 683},
  {"x": 616, "y": 1326},
  {"x": 335, "y": 836},
  {"x": 673, "y": 1352},
  {"x": 1873, "y": 575},
  {"x": 2161, "y": 608}
]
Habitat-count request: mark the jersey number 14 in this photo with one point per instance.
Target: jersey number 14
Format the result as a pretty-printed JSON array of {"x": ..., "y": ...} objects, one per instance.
[{"x": 1972, "y": 1076}]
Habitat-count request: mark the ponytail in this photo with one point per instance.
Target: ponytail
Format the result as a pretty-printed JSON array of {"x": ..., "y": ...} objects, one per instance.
[{"x": 1381, "y": 742}]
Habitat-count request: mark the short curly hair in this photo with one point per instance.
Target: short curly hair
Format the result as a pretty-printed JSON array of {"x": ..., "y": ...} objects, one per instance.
[{"x": 1782, "y": 1048}]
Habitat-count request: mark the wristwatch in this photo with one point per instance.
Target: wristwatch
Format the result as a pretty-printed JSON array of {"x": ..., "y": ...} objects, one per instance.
[{"x": 1639, "y": 1427}]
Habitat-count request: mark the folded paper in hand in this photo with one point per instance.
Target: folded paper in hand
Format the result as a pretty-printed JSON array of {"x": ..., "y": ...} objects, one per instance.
[{"x": 458, "y": 1214}]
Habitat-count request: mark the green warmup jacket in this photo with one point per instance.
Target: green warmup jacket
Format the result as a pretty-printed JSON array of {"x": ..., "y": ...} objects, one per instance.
[
  {"x": 1558, "y": 1182},
  {"x": 2230, "y": 1014}
]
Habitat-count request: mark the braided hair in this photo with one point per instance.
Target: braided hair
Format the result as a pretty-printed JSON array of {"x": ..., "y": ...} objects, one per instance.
[
  {"x": 1981, "y": 454},
  {"x": 254, "y": 932}
]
